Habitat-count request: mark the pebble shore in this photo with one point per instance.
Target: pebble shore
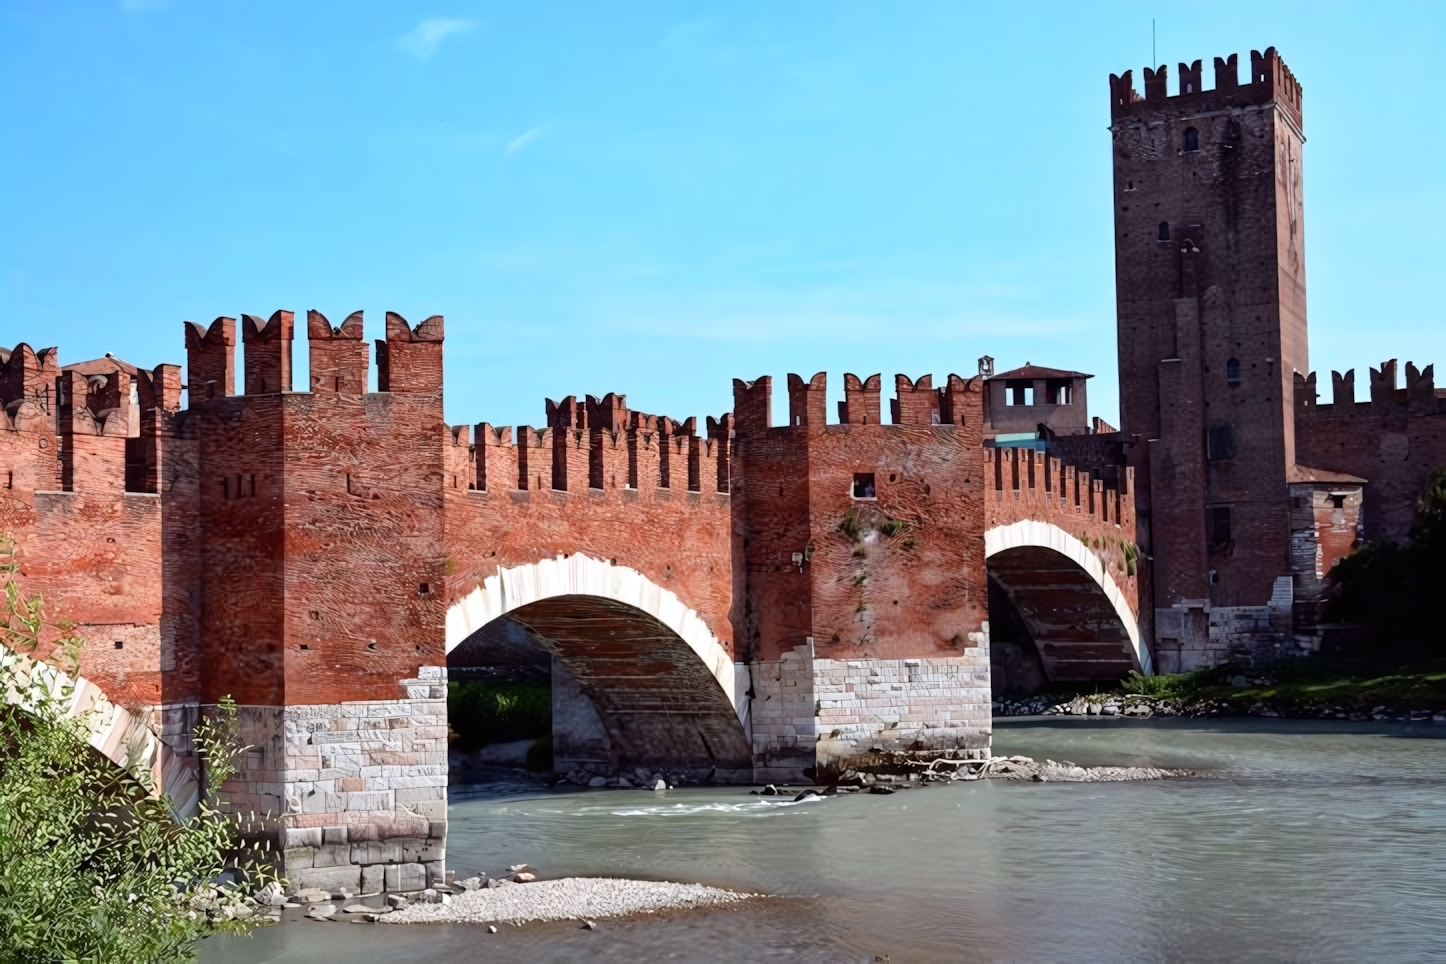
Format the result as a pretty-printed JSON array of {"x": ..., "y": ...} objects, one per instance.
[{"x": 571, "y": 898}]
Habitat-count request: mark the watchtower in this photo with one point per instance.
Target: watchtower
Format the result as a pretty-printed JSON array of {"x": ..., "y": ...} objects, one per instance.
[{"x": 1210, "y": 281}]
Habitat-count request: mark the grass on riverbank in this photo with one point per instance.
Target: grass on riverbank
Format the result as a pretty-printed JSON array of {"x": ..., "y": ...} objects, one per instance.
[{"x": 1313, "y": 683}]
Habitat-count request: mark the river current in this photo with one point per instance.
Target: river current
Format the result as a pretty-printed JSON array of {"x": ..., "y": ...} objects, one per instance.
[{"x": 1318, "y": 842}]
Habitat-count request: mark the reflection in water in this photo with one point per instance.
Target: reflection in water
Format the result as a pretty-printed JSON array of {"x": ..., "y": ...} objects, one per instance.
[{"x": 1322, "y": 842}]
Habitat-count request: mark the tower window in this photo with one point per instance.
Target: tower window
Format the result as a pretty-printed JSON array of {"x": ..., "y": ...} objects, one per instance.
[
  {"x": 1220, "y": 443},
  {"x": 863, "y": 485},
  {"x": 1232, "y": 372},
  {"x": 1219, "y": 524},
  {"x": 1164, "y": 231},
  {"x": 1192, "y": 139}
]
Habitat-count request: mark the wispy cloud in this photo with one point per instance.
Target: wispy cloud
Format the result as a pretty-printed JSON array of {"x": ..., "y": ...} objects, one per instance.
[
  {"x": 682, "y": 30},
  {"x": 423, "y": 40},
  {"x": 526, "y": 137}
]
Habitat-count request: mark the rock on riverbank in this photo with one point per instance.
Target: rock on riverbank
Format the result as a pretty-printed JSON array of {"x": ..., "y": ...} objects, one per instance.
[{"x": 571, "y": 898}]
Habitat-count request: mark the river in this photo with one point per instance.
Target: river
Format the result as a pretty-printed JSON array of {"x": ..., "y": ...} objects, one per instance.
[{"x": 1321, "y": 842}]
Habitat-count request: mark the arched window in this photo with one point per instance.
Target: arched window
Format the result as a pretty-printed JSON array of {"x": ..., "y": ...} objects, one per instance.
[
  {"x": 1192, "y": 139},
  {"x": 1164, "y": 230},
  {"x": 1232, "y": 372}
]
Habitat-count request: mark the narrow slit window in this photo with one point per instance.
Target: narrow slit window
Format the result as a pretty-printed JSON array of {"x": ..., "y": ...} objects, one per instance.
[
  {"x": 1232, "y": 372},
  {"x": 1220, "y": 524},
  {"x": 1164, "y": 234},
  {"x": 1192, "y": 139}
]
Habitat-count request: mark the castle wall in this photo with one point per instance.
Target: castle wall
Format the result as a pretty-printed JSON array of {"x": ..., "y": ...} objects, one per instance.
[
  {"x": 866, "y": 608},
  {"x": 1394, "y": 441}
]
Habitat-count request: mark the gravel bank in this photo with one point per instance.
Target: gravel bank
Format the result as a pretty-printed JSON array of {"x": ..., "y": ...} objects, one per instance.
[
  {"x": 1025, "y": 768},
  {"x": 571, "y": 898}
]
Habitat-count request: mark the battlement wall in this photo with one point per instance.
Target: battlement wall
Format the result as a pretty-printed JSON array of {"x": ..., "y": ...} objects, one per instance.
[
  {"x": 1393, "y": 440},
  {"x": 959, "y": 402},
  {"x": 1270, "y": 80},
  {"x": 1097, "y": 507},
  {"x": 843, "y": 523},
  {"x": 86, "y": 461},
  {"x": 643, "y": 491}
]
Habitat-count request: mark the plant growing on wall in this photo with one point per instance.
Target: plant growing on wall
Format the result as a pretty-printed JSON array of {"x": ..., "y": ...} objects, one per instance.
[{"x": 94, "y": 866}]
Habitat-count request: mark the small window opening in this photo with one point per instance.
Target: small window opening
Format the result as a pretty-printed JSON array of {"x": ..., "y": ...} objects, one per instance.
[
  {"x": 1214, "y": 577},
  {"x": 891, "y": 477},
  {"x": 120, "y": 644},
  {"x": 372, "y": 647},
  {"x": 1192, "y": 139},
  {"x": 314, "y": 614},
  {"x": 1220, "y": 443},
  {"x": 424, "y": 589},
  {"x": 1129, "y": 185},
  {"x": 1220, "y": 524},
  {"x": 1057, "y": 391},
  {"x": 863, "y": 485},
  {"x": 1164, "y": 234},
  {"x": 1019, "y": 393},
  {"x": 1232, "y": 372},
  {"x": 1338, "y": 501},
  {"x": 303, "y": 646}
]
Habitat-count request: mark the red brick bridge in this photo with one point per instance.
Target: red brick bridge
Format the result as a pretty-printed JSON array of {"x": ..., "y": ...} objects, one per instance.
[{"x": 748, "y": 602}]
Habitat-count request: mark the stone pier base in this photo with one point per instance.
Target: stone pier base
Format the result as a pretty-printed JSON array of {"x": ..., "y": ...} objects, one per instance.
[
  {"x": 360, "y": 787},
  {"x": 814, "y": 717}
]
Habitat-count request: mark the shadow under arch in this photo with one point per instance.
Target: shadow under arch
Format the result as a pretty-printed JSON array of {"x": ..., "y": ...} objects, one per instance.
[
  {"x": 660, "y": 682},
  {"x": 1078, "y": 617}
]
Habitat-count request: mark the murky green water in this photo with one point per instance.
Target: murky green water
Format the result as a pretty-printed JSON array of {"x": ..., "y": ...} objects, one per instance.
[{"x": 1325, "y": 842}]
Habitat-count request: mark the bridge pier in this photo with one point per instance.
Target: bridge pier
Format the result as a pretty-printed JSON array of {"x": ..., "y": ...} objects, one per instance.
[
  {"x": 815, "y": 717},
  {"x": 363, "y": 784}
]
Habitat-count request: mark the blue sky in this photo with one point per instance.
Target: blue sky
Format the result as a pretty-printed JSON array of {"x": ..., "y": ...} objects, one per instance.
[{"x": 654, "y": 198}]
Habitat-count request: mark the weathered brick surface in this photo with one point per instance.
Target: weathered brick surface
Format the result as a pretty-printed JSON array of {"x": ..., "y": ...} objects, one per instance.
[
  {"x": 1394, "y": 440},
  {"x": 302, "y": 549},
  {"x": 1216, "y": 404}
]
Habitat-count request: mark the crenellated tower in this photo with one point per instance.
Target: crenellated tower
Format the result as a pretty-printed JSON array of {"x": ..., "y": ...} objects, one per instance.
[{"x": 1210, "y": 282}]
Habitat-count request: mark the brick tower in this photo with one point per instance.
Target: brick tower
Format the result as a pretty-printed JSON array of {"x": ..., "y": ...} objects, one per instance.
[{"x": 1210, "y": 281}]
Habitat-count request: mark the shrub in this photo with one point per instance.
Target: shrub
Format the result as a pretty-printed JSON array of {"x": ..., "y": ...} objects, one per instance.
[
  {"x": 1178, "y": 687},
  {"x": 481, "y": 712},
  {"x": 1398, "y": 590},
  {"x": 94, "y": 867}
]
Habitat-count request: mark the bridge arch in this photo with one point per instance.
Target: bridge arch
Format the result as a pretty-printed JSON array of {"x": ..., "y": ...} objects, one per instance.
[
  {"x": 123, "y": 737},
  {"x": 1076, "y": 611},
  {"x": 662, "y": 683}
]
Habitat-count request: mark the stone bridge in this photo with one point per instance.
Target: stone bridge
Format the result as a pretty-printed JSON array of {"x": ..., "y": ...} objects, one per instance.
[{"x": 749, "y": 602}]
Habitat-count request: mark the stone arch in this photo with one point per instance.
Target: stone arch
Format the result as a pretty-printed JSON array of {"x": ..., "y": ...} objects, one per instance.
[
  {"x": 123, "y": 737},
  {"x": 662, "y": 683},
  {"x": 1038, "y": 563}
]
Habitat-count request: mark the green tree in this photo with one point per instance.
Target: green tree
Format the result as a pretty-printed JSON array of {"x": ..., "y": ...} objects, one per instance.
[
  {"x": 1398, "y": 590},
  {"x": 94, "y": 865}
]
